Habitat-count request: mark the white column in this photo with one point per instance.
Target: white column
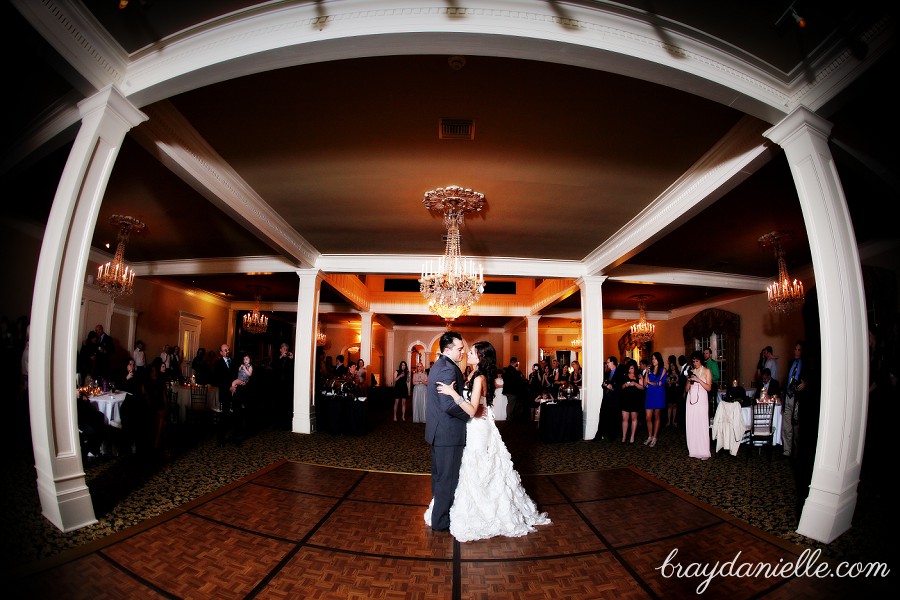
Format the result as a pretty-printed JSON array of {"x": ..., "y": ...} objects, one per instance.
[
  {"x": 105, "y": 119},
  {"x": 531, "y": 341},
  {"x": 365, "y": 337},
  {"x": 828, "y": 510},
  {"x": 305, "y": 355},
  {"x": 591, "y": 352},
  {"x": 389, "y": 362}
]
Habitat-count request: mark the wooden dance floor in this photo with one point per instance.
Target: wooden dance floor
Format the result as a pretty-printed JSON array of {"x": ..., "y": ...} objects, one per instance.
[{"x": 304, "y": 531}]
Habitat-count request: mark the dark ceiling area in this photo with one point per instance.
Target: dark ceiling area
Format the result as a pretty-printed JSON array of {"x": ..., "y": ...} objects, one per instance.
[{"x": 567, "y": 156}]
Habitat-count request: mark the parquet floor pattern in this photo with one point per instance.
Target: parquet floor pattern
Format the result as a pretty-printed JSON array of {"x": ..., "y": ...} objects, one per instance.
[{"x": 296, "y": 530}]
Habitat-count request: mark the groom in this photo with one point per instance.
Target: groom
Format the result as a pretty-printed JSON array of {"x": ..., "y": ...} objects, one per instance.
[{"x": 445, "y": 429}]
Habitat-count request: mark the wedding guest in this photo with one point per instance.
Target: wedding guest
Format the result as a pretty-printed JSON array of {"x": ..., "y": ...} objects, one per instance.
[
  {"x": 420, "y": 393},
  {"x": 401, "y": 389},
  {"x": 655, "y": 398},
  {"x": 696, "y": 420},
  {"x": 632, "y": 400},
  {"x": 200, "y": 368},
  {"x": 673, "y": 391}
]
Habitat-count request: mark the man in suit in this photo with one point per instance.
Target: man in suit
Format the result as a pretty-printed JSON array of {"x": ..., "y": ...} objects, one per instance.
[
  {"x": 283, "y": 371},
  {"x": 339, "y": 368},
  {"x": 798, "y": 375},
  {"x": 225, "y": 372},
  {"x": 515, "y": 388},
  {"x": 445, "y": 429},
  {"x": 769, "y": 386},
  {"x": 610, "y": 415},
  {"x": 105, "y": 349}
]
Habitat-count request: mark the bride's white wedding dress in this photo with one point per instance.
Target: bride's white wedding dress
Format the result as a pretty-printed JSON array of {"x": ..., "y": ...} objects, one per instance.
[{"x": 489, "y": 500}]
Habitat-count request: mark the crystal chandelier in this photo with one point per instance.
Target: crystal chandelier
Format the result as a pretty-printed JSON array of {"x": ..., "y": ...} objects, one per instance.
[
  {"x": 642, "y": 331},
  {"x": 116, "y": 278},
  {"x": 456, "y": 284},
  {"x": 576, "y": 343},
  {"x": 321, "y": 338},
  {"x": 256, "y": 322},
  {"x": 785, "y": 294}
]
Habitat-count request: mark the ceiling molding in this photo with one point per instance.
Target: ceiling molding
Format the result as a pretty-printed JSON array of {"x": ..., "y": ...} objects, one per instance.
[
  {"x": 172, "y": 140},
  {"x": 648, "y": 274}
]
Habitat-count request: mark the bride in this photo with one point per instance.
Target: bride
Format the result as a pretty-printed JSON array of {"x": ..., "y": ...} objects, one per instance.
[{"x": 489, "y": 499}]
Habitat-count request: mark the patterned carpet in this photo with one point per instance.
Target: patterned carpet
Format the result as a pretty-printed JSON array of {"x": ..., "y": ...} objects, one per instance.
[{"x": 129, "y": 490}]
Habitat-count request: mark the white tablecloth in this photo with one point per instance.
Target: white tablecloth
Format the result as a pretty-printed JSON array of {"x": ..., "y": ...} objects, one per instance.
[
  {"x": 184, "y": 400},
  {"x": 110, "y": 404}
]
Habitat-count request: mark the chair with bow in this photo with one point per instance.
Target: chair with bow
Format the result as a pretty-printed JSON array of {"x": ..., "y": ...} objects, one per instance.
[{"x": 761, "y": 431}]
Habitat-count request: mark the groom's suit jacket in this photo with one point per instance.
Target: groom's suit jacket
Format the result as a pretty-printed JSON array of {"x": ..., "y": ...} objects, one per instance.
[{"x": 445, "y": 422}]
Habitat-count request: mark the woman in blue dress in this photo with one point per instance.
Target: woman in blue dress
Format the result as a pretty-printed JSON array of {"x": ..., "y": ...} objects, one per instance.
[{"x": 655, "y": 400}]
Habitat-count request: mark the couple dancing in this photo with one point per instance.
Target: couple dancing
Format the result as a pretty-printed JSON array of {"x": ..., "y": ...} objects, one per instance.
[{"x": 476, "y": 492}]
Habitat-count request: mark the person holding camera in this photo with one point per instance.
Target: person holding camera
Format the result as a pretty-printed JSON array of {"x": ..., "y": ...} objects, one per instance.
[{"x": 699, "y": 382}]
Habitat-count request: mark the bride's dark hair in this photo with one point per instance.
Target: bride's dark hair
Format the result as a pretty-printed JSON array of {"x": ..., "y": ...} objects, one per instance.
[{"x": 487, "y": 366}]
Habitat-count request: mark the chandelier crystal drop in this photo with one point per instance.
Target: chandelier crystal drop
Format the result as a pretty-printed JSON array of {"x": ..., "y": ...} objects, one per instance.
[
  {"x": 456, "y": 283},
  {"x": 642, "y": 331},
  {"x": 115, "y": 277},
  {"x": 256, "y": 322},
  {"x": 785, "y": 294}
]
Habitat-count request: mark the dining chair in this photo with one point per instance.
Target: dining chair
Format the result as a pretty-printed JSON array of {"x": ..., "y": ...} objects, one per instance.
[
  {"x": 761, "y": 431},
  {"x": 197, "y": 412},
  {"x": 172, "y": 409}
]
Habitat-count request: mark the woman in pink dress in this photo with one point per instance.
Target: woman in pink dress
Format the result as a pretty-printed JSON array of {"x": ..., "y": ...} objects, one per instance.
[{"x": 696, "y": 419}]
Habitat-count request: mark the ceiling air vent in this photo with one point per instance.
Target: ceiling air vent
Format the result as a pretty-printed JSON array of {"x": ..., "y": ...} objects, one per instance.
[{"x": 457, "y": 129}]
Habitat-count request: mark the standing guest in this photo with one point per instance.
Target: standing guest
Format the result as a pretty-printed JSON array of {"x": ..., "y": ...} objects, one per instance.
[
  {"x": 224, "y": 372},
  {"x": 401, "y": 389},
  {"x": 696, "y": 420},
  {"x": 135, "y": 414},
  {"x": 339, "y": 368},
  {"x": 175, "y": 363},
  {"x": 87, "y": 358},
  {"x": 562, "y": 376},
  {"x": 489, "y": 499},
  {"x": 683, "y": 368},
  {"x": 140, "y": 360},
  {"x": 241, "y": 398},
  {"x": 609, "y": 408},
  {"x": 577, "y": 374},
  {"x": 632, "y": 400},
  {"x": 710, "y": 362},
  {"x": 283, "y": 368},
  {"x": 515, "y": 389},
  {"x": 760, "y": 365},
  {"x": 200, "y": 368},
  {"x": 655, "y": 400},
  {"x": 798, "y": 375},
  {"x": 420, "y": 393},
  {"x": 166, "y": 357},
  {"x": 105, "y": 349},
  {"x": 329, "y": 367},
  {"x": 673, "y": 391},
  {"x": 361, "y": 374},
  {"x": 771, "y": 362},
  {"x": 156, "y": 400},
  {"x": 445, "y": 429}
]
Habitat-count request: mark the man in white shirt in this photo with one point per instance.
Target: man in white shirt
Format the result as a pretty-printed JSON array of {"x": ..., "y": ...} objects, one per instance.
[
  {"x": 140, "y": 358},
  {"x": 771, "y": 362}
]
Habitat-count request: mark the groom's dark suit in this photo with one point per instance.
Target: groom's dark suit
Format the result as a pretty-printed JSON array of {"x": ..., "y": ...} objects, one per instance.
[{"x": 445, "y": 430}]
